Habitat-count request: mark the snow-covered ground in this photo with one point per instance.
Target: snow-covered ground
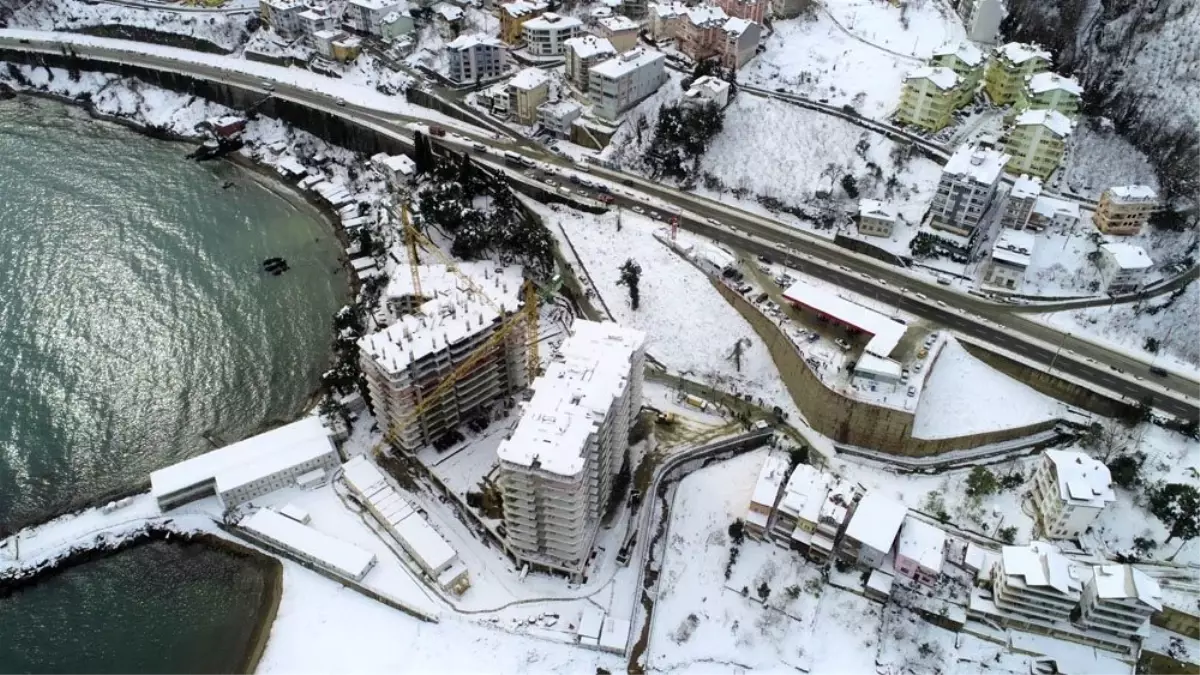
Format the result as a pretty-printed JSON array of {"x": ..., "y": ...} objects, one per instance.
[
  {"x": 1098, "y": 158},
  {"x": 913, "y": 28},
  {"x": 226, "y": 31}
]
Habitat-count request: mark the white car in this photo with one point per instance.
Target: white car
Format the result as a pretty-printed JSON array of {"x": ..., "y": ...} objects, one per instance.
[
  {"x": 922, "y": 296},
  {"x": 340, "y": 101},
  {"x": 941, "y": 303},
  {"x": 912, "y": 391},
  {"x": 638, "y": 209}
]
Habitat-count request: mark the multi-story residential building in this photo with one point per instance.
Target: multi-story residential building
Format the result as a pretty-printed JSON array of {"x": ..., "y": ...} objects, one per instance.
[
  {"x": 1123, "y": 268},
  {"x": 582, "y": 53},
  {"x": 545, "y": 34},
  {"x": 1118, "y": 600},
  {"x": 475, "y": 58},
  {"x": 929, "y": 97},
  {"x": 875, "y": 218},
  {"x": 1050, "y": 211},
  {"x": 557, "y": 464},
  {"x": 283, "y": 16},
  {"x": 620, "y": 31},
  {"x": 396, "y": 25},
  {"x": 966, "y": 189},
  {"x": 436, "y": 333},
  {"x": 1009, "y": 259},
  {"x": 789, "y": 9},
  {"x": 982, "y": 18},
  {"x": 799, "y": 508},
  {"x": 1125, "y": 209},
  {"x": 634, "y": 9},
  {"x": 739, "y": 42},
  {"x": 513, "y": 16},
  {"x": 750, "y": 10},
  {"x": 872, "y": 530},
  {"x": 526, "y": 91},
  {"x": 1050, "y": 91},
  {"x": 766, "y": 494},
  {"x": 698, "y": 33},
  {"x": 365, "y": 16},
  {"x": 666, "y": 19},
  {"x": 619, "y": 83},
  {"x": 707, "y": 89},
  {"x": 557, "y": 117},
  {"x": 1035, "y": 586},
  {"x": 314, "y": 20},
  {"x": 967, "y": 62},
  {"x": 830, "y": 520},
  {"x": 1069, "y": 490},
  {"x": 1037, "y": 142},
  {"x": 1008, "y": 67},
  {"x": 920, "y": 550},
  {"x": 1022, "y": 197}
]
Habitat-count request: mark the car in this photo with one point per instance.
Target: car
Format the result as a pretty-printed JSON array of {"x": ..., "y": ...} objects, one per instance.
[
  {"x": 923, "y": 353},
  {"x": 1158, "y": 371},
  {"x": 744, "y": 289},
  {"x": 713, "y": 221},
  {"x": 845, "y": 346},
  {"x": 762, "y": 297},
  {"x": 269, "y": 86},
  {"x": 626, "y": 181},
  {"x": 480, "y": 147},
  {"x": 823, "y": 100},
  {"x": 551, "y": 182},
  {"x": 340, "y": 101},
  {"x": 941, "y": 303},
  {"x": 573, "y": 178},
  {"x": 1119, "y": 370},
  {"x": 930, "y": 339},
  {"x": 912, "y": 391},
  {"x": 917, "y": 367},
  {"x": 945, "y": 281},
  {"x": 638, "y": 209},
  {"x": 656, "y": 215},
  {"x": 843, "y": 268},
  {"x": 882, "y": 282},
  {"x": 904, "y": 372},
  {"x": 813, "y": 337},
  {"x": 764, "y": 259},
  {"x": 922, "y": 296}
]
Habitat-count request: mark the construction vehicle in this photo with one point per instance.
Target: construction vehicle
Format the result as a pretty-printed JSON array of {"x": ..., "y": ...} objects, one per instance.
[{"x": 666, "y": 419}]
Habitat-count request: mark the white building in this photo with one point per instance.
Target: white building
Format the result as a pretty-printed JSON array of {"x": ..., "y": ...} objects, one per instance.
[
  {"x": 707, "y": 89},
  {"x": 400, "y": 170},
  {"x": 920, "y": 551},
  {"x": 278, "y": 470},
  {"x": 1035, "y": 586},
  {"x": 799, "y": 508},
  {"x": 875, "y": 218},
  {"x": 1118, "y": 600},
  {"x": 557, "y": 464},
  {"x": 831, "y": 519},
  {"x": 1011, "y": 255},
  {"x": 475, "y": 58},
  {"x": 283, "y": 16},
  {"x": 314, "y": 20},
  {"x": 966, "y": 189},
  {"x": 582, "y": 53},
  {"x": 558, "y": 116},
  {"x": 1069, "y": 491},
  {"x": 317, "y": 548},
  {"x": 982, "y": 19},
  {"x": 1123, "y": 267},
  {"x": 665, "y": 18},
  {"x": 1018, "y": 207},
  {"x": 1051, "y": 211},
  {"x": 766, "y": 492},
  {"x": 367, "y": 15},
  {"x": 619, "y": 83},
  {"x": 872, "y": 530},
  {"x": 545, "y": 34}
]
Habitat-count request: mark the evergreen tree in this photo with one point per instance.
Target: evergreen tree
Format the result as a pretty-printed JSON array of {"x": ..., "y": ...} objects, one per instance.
[
  {"x": 422, "y": 153},
  {"x": 1177, "y": 505},
  {"x": 631, "y": 274}
]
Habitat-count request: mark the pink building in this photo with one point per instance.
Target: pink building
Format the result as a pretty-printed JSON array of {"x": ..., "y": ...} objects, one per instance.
[
  {"x": 751, "y": 10},
  {"x": 706, "y": 31},
  {"x": 919, "y": 551}
]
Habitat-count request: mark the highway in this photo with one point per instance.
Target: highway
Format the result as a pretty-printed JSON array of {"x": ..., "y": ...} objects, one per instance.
[{"x": 984, "y": 320}]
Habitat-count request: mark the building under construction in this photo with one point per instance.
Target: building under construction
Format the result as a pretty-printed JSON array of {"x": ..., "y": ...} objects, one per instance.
[{"x": 433, "y": 334}]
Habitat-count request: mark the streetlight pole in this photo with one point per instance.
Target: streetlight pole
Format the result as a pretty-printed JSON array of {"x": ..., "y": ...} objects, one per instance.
[{"x": 1057, "y": 351}]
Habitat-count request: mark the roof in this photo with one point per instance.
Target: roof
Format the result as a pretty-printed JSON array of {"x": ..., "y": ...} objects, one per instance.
[
  {"x": 400, "y": 163},
  {"x": 522, "y": 7},
  {"x": 586, "y": 46},
  {"x": 1040, "y": 565},
  {"x": 1014, "y": 247},
  {"x": 770, "y": 478},
  {"x": 707, "y": 15},
  {"x": 378, "y": 4},
  {"x": 1043, "y": 82},
  {"x": 550, "y": 20},
  {"x": 294, "y": 512},
  {"x": 876, "y": 209},
  {"x": 886, "y": 331},
  {"x": 980, "y": 165},
  {"x": 1051, "y": 207},
  {"x": 340, "y": 555},
  {"x": 618, "y": 23},
  {"x": 1025, "y": 188},
  {"x": 448, "y": 12},
  {"x": 473, "y": 40},
  {"x": 572, "y": 397},
  {"x": 529, "y": 78},
  {"x": 1124, "y": 582},
  {"x": 206, "y": 467},
  {"x": 1082, "y": 481},
  {"x": 965, "y": 51},
  {"x": 560, "y": 109},
  {"x": 307, "y": 449},
  {"x": 1019, "y": 52},
  {"x": 922, "y": 543},
  {"x": 737, "y": 26},
  {"x": 590, "y": 622},
  {"x": 869, "y": 363},
  {"x": 837, "y": 502},
  {"x": 421, "y": 540},
  {"x": 876, "y": 521},
  {"x": 804, "y": 493},
  {"x": 667, "y": 10},
  {"x": 880, "y": 582},
  {"x": 363, "y": 476},
  {"x": 1128, "y": 256},
  {"x": 628, "y": 62},
  {"x": 616, "y": 634},
  {"x": 942, "y": 77},
  {"x": 1055, "y": 121},
  {"x": 1132, "y": 192}
]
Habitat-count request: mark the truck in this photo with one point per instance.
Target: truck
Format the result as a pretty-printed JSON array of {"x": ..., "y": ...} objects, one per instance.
[
  {"x": 696, "y": 402},
  {"x": 436, "y": 130}
]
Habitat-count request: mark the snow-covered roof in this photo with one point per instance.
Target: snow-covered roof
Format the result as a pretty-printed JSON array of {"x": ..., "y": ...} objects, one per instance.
[
  {"x": 707, "y": 15},
  {"x": 552, "y": 21},
  {"x": 363, "y": 476},
  {"x": 423, "y": 542},
  {"x": 667, "y": 10},
  {"x": 922, "y": 543},
  {"x": 885, "y": 331},
  {"x": 1051, "y": 207},
  {"x": 206, "y": 467},
  {"x": 876, "y": 209},
  {"x": 473, "y": 40},
  {"x": 736, "y": 26},
  {"x": 837, "y": 502},
  {"x": 587, "y": 46},
  {"x": 1040, "y": 565},
  {"x": 977, "y": 558},
  {"x": 1053, "y": 120},
  {"x": 874, "y": 365},
  {"x": 1043, "y": 82},
  {"x": 398, "y": 163},
  {"x": 770, "y": 478},
  {"x": 393, "y": 17},
  {"x": 600, "y": 12},
  {"x": 1124, "y": 582},
  {"x": 1014, "y": 247},
  {"x": 376, "y": 5},
  {"x": 628, "y": 62},
  {"x": 1128, "y": 256},
  {"x": 715, "y": 255},
  {"x": 448, "y": 12},
  {"x": 311, "y": 447},
  {"x": 520, "y": 8},
  {"x": 529, "y": 78},
  {"x": 1025, "y": 187},
  {"x": 804, "y": 493},
  {"x": 295, "y": 513},
  {"x": 965, "y": 51},
  {"x": 314, "y": 14},
  {"x": 1082, "y": 481},
  {"x": 571, "y": 399},
  {"x": 978, "y": 164},
  {"x": 942, "y": 77},
  {"x": 291, "y": 165},
  {"x": 1019, "y": 52},
  {"x": 560, "y": 109},
  {"x": 1129, "y": 193},
  {"x": 876, "y": 521},
  {"x": 340, "y": 555},
  {"x": 615, "y": 635},
  {"x": 618, "y": 23},
  {"x": 881, "y": 582},
  {"x": 591, "y": 622}
]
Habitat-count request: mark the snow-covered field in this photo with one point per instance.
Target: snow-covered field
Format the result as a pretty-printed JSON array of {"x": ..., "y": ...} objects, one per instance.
[
  {"x": 912, "y": 28},
  {"x": 226, "y": 31}
]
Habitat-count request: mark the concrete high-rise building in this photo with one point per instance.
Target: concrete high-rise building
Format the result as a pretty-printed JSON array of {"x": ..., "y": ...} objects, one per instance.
[
  {"x": 582, "y": 53},
  {"x": 1037, "y": 142},
  {"x": 1050, "y": 91},
  {"x": 967, "y": 62},
  {"x": 929, "y": 97},
  {"x": 1008, "y": 68},
  {"x": 1125, "y": 209},
  {"x": 982, "y": 18},
  {"x": 1035, "y": 586},
  {"x": 618, "y": 83},
  {"x": 966, "y": 189},
  {"x": 558, "y": 463},
  {"x": 475, "y": 58},
  {"x": 545, "y": 34}
]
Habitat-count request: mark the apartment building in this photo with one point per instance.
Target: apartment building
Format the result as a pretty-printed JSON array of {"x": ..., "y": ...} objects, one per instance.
[
  {"x": 620, "y": 31},
  {"x": 1022, "y": 197},
  {"x": 698, "y": 32},
  {"x": 1050, "y": 91},
  {"x": 1069, "y": 490},
  {"x": 799, "y": 508},
  {"x": 750, "y": 10},
  {"x": 557, "y": 465},
  {"x": 544, "y": 35},
  {"x": 619, "y": 83},
  {"x": 1118, "y": 601},
  {"x": 475, "y": 58},
  {"x": 1123, "y": 268},
  {"x": 395, "y": 25},
  {"x": 967, "y": 62},
  {"x": 557, "y": 117},
  {"x": 830, "y": 520},
  {"x": 920, "y": 551},
  {"x": 314, "y": 20},
  {"x": 766, "y": 494},
  {"x": 634, "y": 9},
  {"x": 966, "y": 189},
  {"x": 1035, "y": 586},
  {"x": 527, "y": 90},
  {"x": 366, "y": 16},
  {"x": 1037, "y": 142},
  {"x": 739, "y": 42},
  {"x": 982, "y": 18},
  {"x": 872, "y": 531},
  {"x": 513, "y": 16},
  {"x": 1008, "y": 67},
  {"x": 929, "y": 98},
  {"x": 1050, "y": 211},
  {"x": 707, "y": 89},
  {"x": 582, "y": 53},
  {"x": 1125, "y": 209},
  {"x": 1010, "y": 257},
  {"x": 788, "y": 9},
  {"x": 666, "y": 19},
  {"x": 283, "y": 16},
  {"x": 434, "y": 334},
  {"x": 875, "y": 219}
]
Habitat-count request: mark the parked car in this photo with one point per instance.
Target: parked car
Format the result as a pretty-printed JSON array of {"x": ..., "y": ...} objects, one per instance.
[
  {"x": 912, "y": 391},
  {"x": 917, "y": 367},
  {"x": 845, "y": 346},
  {"x": 813, "y": 337},
  {"x": 762, "y": 297},
  {"x": 764, "y": 259},
  {"x": 941, "y": 303}
]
